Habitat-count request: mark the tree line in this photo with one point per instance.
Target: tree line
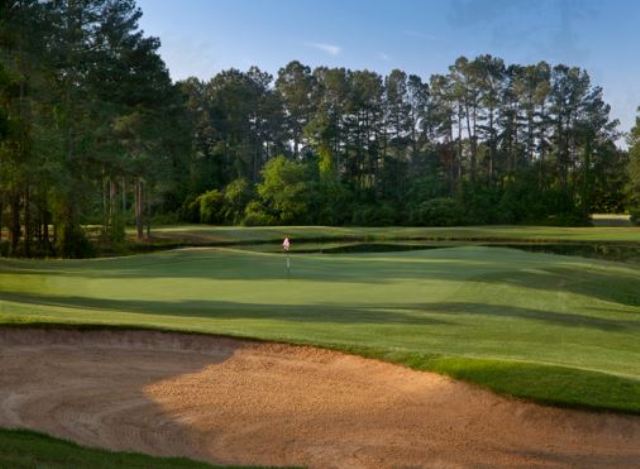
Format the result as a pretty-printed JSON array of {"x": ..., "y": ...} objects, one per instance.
[
  {"x": 90, "y": 124},
  {"x": 486, "y": 142},
  {"x": 93, "y": 133}
]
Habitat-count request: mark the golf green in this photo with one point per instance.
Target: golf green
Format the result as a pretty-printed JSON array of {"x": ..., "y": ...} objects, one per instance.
[{"x": 555, "y": 329}]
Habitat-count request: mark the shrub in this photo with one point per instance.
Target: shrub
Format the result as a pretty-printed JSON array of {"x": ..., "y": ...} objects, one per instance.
[
  {"x": 256, "y": 215},
  {"x": 210, "y": 206},
  {"x": 373, "y": 215},
  {"x": 237, "y": 196},
  {"x": 635, "y": 216},
  {"x": 190, "y": 210},
  {"x": 442, "y": 211},
  {"x": 332, "y": 203},
  {"x": 72, "y": 242},
  {"x": 114, "y": 232},
  {"x": 285, "y": 189},
  {"x": 168, "y": 218},
  {"x": 571, "y": 218},
  {"x": 480, "y": 207}
]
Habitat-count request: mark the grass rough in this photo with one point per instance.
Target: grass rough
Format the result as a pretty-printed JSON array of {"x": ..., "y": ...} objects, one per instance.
[{"x": 25, "y": 449}]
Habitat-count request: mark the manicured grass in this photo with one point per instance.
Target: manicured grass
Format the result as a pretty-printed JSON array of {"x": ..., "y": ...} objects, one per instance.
[
  {"x": 204, "y": 234},
  {"x": 556, "y": 329},
  {"x": 23, "y": 449}
]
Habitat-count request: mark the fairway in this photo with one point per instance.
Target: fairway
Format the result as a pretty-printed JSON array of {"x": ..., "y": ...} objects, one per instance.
[
  {"x": 203, "y": 234},
  {"x": 555, "y": 329}
]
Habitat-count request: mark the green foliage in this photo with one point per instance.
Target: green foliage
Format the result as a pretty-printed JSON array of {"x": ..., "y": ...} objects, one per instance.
[
  {"x": 326, "y": 165},
  {"x": 210, "y": 206},
  {"x": 190, "y": 210},
  {"x": 257, "y": 215},
  {"x": 482, "y": 205},
  {"x": 635, "y": 216},
  {"x": 169, "y": 218},
  {"x": 374, "y": 215},
  {"x": 521, "y": 202},
  {"x": 633, "y": 185},
  {"x": 216, "y": 207},
  {"x": 91, "y": 105},
  {"x": 115, "y": 230},
  {"x": 420, "y": 145},
  {"x": 443, "y": 211},
  {"x": 237, "y": 195},
  {"x": 332, "y": 203},
  {"x": 572, "y": 218},
  {"x": 354, "y": 146},
  {"x": 72, "y": 242},
  {"x": 286, "y": 191}
]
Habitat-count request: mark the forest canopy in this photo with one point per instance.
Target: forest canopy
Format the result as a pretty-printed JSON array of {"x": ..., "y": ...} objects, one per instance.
[{"x": 93, "y": 132}]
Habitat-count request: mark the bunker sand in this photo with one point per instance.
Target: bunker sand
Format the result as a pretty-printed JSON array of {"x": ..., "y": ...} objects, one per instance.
[{"x": 240, "y": 402}]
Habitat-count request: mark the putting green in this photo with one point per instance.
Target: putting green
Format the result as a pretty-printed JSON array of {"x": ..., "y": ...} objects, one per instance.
[{"x": 556, "y": 329}]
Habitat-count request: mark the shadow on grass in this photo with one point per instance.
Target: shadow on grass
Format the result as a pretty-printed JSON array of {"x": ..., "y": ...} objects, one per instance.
[
  {"x": 551, "y": 317},
  {"x": 423, "y": 314},
  {"x": 210, "y": 309},
  {"x": 618, "y": 287}
]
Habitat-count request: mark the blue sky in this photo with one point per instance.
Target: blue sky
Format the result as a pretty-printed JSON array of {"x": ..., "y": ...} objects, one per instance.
[{"x": 202, "y": 37}]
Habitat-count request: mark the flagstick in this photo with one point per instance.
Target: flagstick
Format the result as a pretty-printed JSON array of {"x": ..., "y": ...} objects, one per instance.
[{"x": 288, "y": 265}]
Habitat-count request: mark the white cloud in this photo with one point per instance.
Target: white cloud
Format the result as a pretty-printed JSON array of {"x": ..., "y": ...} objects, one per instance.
[
  {"x": 330, "y": 49},
  {"x": 385, "y": 57}
]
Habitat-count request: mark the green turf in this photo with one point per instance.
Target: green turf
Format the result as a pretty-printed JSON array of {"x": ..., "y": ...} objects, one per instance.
[
  {"x": 561, "y": 330},
  {"x": 226, "y": 234},
  {"x": 22, "y": 449}
]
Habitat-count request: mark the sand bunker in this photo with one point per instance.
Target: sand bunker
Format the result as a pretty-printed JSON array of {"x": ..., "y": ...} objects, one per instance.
[{"x": 236, "y": 402}]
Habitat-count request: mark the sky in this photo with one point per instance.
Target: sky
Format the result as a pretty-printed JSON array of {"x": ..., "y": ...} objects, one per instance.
[{"x": 202, "y": 37}]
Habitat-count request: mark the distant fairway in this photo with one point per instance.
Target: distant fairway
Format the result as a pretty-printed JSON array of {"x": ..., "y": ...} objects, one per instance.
[
  {"x": 562, "y": 330},
  {"x": 234, "y": 234}
]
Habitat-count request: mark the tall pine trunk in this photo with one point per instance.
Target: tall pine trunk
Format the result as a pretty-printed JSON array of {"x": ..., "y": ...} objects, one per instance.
[
  {"x": 1, "y": 214},
  {"x": 14, "y": 228},
  {"x": 459, "y": 156},
  {"x": 139, "y": 208},
  {"x": 27, "y": 222},
  {"x": 492, "y": 145},
  {"x": 472, "y": 136},
  {"x": 587, "y": 182},
  {"x": 45, "y": 230},
  {"x": 113, "y": 202}
]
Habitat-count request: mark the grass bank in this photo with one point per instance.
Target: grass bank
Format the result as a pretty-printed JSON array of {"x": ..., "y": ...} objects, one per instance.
[{"x": 23, "y": 449}]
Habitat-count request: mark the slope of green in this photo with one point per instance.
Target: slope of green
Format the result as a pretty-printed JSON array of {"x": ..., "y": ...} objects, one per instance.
[{"x": 556, "y": 329}]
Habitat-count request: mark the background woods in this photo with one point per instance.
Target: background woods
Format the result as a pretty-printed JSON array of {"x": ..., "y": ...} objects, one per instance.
[{"x": 93, "y": 133}]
